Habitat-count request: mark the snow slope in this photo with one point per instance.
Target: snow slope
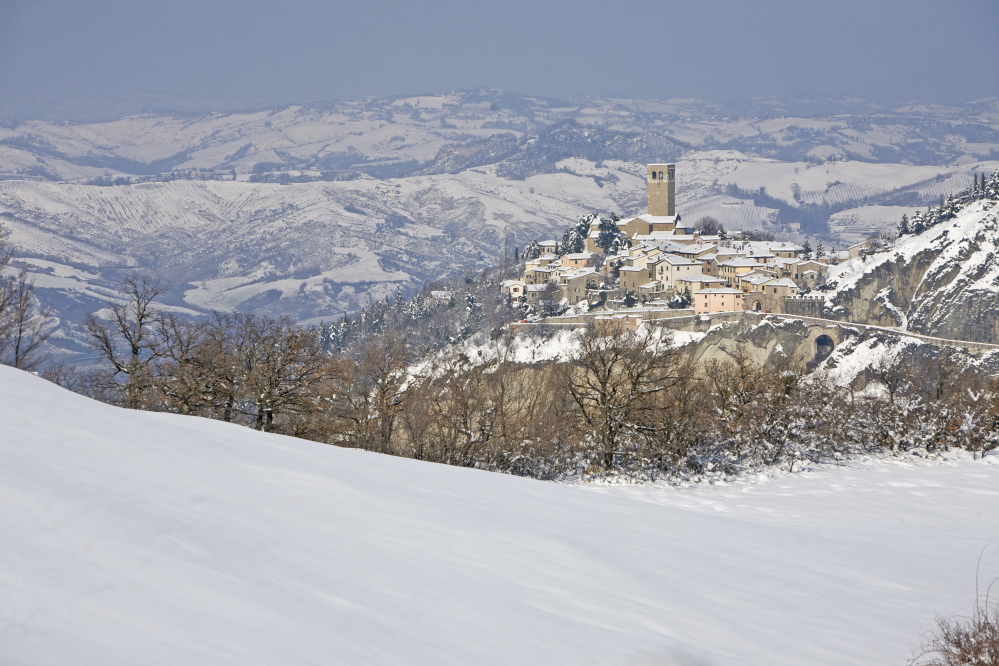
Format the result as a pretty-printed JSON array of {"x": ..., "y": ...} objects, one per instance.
[
  {"x": 156, "y": 539},
  {"x": 943, "y": 282}
]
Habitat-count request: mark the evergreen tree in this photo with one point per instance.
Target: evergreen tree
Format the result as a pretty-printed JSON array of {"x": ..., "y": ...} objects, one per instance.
[
  {"x": 532, "y": 251},
  {"x": 903, "y": 227},
  {"x": 609, "y": 234},
  {"x": 807, "y": 254},
  {"x": 820, "y": 250}
]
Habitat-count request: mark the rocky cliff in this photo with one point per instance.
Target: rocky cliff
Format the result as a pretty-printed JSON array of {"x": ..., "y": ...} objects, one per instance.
[{"x": 942, "y": 282}]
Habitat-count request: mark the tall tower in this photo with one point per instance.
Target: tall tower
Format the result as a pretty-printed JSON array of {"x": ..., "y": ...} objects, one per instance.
[{"x": 662, "y": 189}]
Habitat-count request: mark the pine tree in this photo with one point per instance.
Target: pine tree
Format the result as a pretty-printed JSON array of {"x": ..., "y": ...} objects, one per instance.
[
  {"x": 903, "y": 227},
  {"x": 807, "y": 254}
]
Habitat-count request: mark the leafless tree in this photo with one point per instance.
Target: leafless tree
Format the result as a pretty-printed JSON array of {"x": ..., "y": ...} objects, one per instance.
[
  {"x": 22, "y": 322},
  {"x": 708, "y": 226},
  {"x": 362, "y": 394},
  {"x": 613, "y": 380},
  {"x": 126, "y": 340},
  {"x": 286, "y": 364}
]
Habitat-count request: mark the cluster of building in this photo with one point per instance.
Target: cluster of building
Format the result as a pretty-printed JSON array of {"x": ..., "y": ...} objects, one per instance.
[{"x": 666, "y": 260}]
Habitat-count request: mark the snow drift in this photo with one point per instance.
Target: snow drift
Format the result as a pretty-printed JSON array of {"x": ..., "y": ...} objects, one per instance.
[{"x": 136, "y": 537}]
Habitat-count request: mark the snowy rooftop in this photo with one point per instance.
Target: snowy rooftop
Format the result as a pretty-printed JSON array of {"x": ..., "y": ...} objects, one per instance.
[
  {"x": 718, "y": 290},
  {"x": 700, "y": 277}
]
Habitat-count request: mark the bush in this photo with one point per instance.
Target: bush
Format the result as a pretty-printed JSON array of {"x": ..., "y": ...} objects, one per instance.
[{"x": 964, "y": 640}]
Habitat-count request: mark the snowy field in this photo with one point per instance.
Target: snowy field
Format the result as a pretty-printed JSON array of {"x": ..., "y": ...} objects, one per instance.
[{"x": 140, "y": 538}]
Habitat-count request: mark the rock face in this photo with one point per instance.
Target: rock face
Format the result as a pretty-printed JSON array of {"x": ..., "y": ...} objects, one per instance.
[
  {"x": 848, "y": 352},
  {"x": 943, "y": 282}
]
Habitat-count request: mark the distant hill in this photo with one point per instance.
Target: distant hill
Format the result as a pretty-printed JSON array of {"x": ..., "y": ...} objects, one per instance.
[{"x": 314, "y": 210}]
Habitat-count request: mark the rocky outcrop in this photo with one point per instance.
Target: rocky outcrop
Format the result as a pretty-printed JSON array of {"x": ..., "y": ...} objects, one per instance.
[{"x": 943, "y": 282}]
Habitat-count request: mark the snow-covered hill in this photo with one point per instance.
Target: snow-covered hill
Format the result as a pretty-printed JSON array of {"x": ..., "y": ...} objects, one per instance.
[
  {"x": 350, "y": 202},
  {"x": 942, "y": 282},
  {"x": 135, "y": 537}
]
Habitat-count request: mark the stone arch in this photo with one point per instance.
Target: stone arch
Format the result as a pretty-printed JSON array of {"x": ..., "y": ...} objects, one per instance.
[
  {"x": 758, "y": 306},
  {"x": 824, "y": 346}
]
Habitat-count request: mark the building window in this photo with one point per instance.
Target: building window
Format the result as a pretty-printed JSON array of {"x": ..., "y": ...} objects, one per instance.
[
  {"x": 653, "y": 175},
  {"x": 660, "y": 175}
]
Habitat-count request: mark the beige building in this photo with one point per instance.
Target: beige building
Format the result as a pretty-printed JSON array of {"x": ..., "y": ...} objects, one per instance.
[
  {"x": 671, "y": 268},
  {"x": 695, "y": 283},
  {"x": 632, "y": 278},
  {"x": 751, "y": 282},
  {"x": 537, "y": 275},
  {"x": 709, "y": 301},
  {"x": 730, "y": 270},
  {"x": 782, "y": 287},
  {"x": 578, "y": 260},
  {"x": 516, "y": 289},
  {"x": 573, "y": 283}
]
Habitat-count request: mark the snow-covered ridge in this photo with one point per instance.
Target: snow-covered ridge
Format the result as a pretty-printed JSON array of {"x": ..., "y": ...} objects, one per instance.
[
  {"x": 943, "y": 282},
  {"x": 137, "y": 537}
]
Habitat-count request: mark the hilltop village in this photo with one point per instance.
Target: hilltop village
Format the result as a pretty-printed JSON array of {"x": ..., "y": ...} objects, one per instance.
[{"x": 654, "y": 262}]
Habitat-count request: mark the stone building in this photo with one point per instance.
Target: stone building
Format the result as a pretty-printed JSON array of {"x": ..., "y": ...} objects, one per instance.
[{"x": 662, "y": 189}]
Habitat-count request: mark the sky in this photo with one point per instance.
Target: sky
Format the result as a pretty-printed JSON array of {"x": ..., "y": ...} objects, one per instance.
[{"x": 57, "y": 55}]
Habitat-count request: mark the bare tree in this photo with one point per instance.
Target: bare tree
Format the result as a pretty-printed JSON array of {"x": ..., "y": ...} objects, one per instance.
[
  {"x": 708, "y": 226},
  {"x": 613, "y": 380},
  {"x": 287, "y": 364},
  {"x": 126, "y": 340},
  {"x": 184, "y": 376},
  {"x": 22, "y": 323},
  {"x": 364, "y": 393}
]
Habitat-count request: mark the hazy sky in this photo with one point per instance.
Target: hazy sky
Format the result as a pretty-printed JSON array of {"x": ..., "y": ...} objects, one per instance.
[{"x": 230, "y": 54}]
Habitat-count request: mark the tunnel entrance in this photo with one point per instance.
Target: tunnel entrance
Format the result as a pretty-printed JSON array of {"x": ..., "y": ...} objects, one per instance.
[{"x": 824, "y": 346}]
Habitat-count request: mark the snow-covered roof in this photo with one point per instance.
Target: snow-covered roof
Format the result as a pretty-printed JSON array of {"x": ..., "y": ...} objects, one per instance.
[
  {"x": 783, "y": 282},
  {"x": 573, "y": 273},
  {"x": 657, "y": 236},
  {"x": 657, "y": 219},
  {"x": 739, "y": 263},
  {"x": 718, "y": 290},
  {"x": 756, "y": 278},
  {"x": 700, "y": 277},
  {"x": 670, "y": 246},
  {"x": 578, "y": 256},
  {"x": 679, "y": 261}
]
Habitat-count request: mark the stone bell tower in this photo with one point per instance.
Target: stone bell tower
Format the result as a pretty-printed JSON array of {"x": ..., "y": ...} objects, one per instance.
[{"x": 662, "y": 189}]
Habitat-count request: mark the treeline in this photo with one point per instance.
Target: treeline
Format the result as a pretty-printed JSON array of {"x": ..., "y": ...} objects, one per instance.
[
  {"x": 616, "y": 402},
  {"x": 983, "y": 189},
  {"x": 442, "y": 313}
]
